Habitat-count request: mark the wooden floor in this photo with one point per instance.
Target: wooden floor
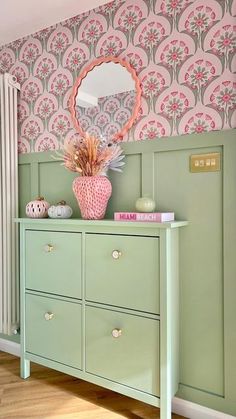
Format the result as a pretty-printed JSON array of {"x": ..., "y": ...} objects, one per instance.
[{"x": 51, "y": 394}]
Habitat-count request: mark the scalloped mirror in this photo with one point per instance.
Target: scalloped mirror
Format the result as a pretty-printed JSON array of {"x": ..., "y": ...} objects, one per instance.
[{"x": 105, "y": 99}]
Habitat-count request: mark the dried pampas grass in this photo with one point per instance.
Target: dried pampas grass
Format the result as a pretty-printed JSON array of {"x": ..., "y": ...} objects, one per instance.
[{"x": 91, "y": 157}]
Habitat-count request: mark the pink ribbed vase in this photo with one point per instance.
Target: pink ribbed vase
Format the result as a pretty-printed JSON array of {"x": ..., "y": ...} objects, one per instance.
[{"x": 92, "y": 194}]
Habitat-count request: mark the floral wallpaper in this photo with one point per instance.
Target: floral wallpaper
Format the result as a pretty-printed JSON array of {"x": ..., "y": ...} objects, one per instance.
[{"x": 182, "y": 50}]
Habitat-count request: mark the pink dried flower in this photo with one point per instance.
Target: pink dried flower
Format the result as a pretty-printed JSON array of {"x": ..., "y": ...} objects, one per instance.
[{"x": 92, "y": 157}]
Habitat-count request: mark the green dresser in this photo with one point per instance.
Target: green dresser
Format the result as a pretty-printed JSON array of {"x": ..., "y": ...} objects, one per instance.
[
  {"x": 123, "y": 348},
  {"x": 99, "y": 301},
  {"x": 57, "y": 323},
  {"x": 50, "y": 259},
  {"x": 106, "y": 272}
]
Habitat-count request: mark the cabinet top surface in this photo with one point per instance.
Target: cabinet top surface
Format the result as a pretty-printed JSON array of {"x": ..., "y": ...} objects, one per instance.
[{"x": 100, "y": 223}]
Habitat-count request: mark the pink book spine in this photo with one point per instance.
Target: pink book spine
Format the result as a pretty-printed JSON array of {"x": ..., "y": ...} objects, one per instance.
[{"x": 157, "y": 217}]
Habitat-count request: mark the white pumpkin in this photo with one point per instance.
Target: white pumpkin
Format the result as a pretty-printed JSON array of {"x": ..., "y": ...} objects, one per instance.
[
  {"x": 37, "y": 208},
  {"x": 61, "y": 210}
]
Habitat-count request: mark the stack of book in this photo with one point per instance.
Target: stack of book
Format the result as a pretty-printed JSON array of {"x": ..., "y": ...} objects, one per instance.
[{"x": 156, "y": 217}]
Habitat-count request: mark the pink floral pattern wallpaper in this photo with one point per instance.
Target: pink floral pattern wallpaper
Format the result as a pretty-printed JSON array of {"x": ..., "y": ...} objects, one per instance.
[{"x": 183, "y": 52}]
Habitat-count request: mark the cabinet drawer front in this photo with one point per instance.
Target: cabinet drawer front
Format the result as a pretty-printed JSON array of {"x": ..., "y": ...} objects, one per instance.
[
  {"x": 53, "y": 262},
  {"x": 53, "y": 329},
  {"x": 132, "y": 358},
  {"x": 123, "y": 271}
]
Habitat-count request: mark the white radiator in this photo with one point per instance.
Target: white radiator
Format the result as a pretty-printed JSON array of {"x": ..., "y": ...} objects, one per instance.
[{"x": 9, "y": 277}]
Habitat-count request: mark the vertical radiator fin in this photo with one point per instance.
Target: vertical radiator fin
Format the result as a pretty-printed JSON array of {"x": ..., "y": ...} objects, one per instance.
[{"x": 9, "y": 278}]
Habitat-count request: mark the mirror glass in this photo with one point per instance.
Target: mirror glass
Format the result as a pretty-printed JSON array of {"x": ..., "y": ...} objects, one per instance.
[{"x": 105, "y": 100}]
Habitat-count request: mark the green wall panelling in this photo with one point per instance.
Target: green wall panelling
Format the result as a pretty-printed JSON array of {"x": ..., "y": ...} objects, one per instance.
[
  {"x": 229, "y": 241},
  {"x": 126, "y": 186},
  {"x": 197, "y": 197},
  {"x": 224, "y": 404},
  {"x": 41, "y": 174},
  {"x": 55, "y": 184},
  {"x": 24, "y": 186},
  {"x": 46, "y": 176},
  {"x": 207, "y": 263}
]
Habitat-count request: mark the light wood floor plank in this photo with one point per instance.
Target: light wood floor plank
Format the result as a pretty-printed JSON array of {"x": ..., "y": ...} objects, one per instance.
[{"x": 51, "y": 394}]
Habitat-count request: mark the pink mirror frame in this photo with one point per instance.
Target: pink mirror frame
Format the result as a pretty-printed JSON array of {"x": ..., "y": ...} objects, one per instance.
[{"x": 119, "y": 136}]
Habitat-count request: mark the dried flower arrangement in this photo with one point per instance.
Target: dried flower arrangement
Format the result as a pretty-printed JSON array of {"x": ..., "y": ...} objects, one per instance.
[{"x": 93, "y": 157}]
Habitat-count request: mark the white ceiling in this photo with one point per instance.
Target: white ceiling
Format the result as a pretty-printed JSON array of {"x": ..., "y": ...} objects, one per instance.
[{"x": 19, "y": 18}]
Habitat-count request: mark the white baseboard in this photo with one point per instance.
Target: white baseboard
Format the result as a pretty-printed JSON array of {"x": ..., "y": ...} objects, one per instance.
[
  {"x": 10, "y": 347},
  {"x": 196, "y": 411},
  {"x": 179, "y": 406}
]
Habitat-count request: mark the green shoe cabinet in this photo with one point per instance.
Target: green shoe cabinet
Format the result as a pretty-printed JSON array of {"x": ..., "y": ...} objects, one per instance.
[{"x": 99, "y": 301}]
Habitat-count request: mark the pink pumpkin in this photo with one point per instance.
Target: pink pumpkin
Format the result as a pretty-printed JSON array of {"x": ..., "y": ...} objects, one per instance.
[{"x": 37, "y": 209}]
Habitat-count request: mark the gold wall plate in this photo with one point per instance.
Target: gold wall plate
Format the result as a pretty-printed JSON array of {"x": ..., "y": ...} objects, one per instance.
[{"x": 205, "y": 162}]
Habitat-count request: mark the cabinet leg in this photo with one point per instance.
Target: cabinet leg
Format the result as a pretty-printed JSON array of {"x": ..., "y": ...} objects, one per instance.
[
  {"x": 165, "y": 411},
  {"x": 24, "y": 368}
]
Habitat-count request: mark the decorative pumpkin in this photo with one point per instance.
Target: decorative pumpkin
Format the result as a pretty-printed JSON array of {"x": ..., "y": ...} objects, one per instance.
[
  {"x": 37, "y": 208},
  {"x": 61, "y": 210},
  {"x": 145, "y": 204}
]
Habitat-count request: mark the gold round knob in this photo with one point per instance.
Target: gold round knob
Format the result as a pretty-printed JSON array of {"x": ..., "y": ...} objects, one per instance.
[
  {"x": 116, "y": 333},
  {"x": 48, "y": 248},
  {"x": 116, "y": 254},
  {"x": 48, "y": 315}
]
